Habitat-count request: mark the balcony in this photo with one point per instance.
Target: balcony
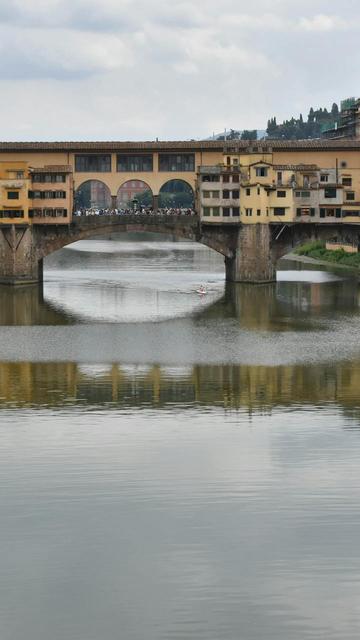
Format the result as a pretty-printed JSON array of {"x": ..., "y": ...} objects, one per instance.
[
  {"x": 13, "y": 183},
  {"x": 209, "y": 169}
]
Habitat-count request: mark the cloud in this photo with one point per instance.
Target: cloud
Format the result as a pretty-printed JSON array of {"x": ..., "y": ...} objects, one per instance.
[
  {"x": 60, "y": 54},
  {"x": 324, "y": 23},
  {"x": 148, "y": 68}
]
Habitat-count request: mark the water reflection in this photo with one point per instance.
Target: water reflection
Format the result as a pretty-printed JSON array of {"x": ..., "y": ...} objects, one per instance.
[
  {"x": 195, "y": 477},
  {"x": 252, "y": 388},
  {"x": 280, "y": 306}
]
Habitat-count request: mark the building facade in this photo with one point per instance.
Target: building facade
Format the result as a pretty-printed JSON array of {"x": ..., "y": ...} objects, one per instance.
[
  {"x": 235, "y": 183},
  {"x": 268, "y": 185}
]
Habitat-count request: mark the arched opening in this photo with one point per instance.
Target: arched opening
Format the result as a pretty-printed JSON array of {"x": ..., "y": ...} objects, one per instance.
[
  {"x": 93, "y": 194},
  {"x": 176, "y": 194},
  {"x": 135, "y": 195}
]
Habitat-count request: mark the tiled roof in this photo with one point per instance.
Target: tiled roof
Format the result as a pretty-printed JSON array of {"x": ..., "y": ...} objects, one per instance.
[{"x": 215, "y": 145}]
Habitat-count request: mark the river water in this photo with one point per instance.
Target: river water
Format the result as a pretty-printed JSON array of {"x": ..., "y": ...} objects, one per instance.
[{"x": 176, "y": 466}]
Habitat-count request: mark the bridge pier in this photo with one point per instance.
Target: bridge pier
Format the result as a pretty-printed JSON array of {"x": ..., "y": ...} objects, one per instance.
[
  {"x": 19, "y": 263},
  {"x": 254, "y": 258}
]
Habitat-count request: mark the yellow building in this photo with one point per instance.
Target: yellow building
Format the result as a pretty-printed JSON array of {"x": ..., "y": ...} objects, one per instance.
[
  {"x": 14, "y": 188},
  {"x": 51, "y": 194},
  {"x": 268, "y": 184},
  {"x": 35, "y": 195}
]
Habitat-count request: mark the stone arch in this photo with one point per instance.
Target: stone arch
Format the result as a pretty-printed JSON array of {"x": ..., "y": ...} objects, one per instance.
[
  {"x": 134, "y": 194},
  {"x": 93, "y": 194},
  {"x": 176, "y": 193}
]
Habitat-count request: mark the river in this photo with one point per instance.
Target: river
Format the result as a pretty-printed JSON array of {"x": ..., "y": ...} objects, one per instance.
[{"x": 176, "y": 466}]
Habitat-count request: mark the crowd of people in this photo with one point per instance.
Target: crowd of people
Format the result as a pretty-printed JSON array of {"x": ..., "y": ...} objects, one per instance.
[{"x": 167, "y": 211}]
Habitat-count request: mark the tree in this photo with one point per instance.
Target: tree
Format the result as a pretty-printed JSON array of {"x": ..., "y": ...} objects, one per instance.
[
  {"x": 248, "y": 134},
  {"x": 335, "y": 110}
]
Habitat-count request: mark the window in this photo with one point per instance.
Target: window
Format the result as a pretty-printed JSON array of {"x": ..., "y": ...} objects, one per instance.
[
  {"x": 48, "y": 177},
  {"x": 330, "y": 192},
  {"x": 324, "y": 178},
  {"x": 177, "y": 162},
  {"x": 216, "y": 194},
  {"x": 206, "y": 194},
  {"x": 298, "y": 212},
  {"x": 19, "y": 175},
  {"x": 279, "y": 211},
  {"x": 226, "y": 178},
  {"x": 258, "y": 212},
  {"x": 235, "y": 161},
  {"x": 248, "y": 212},
  {"x": 338, "y": 213},
  {"x": 212, "y": 178},
  {"x": 236, "y": 212},
  {"x": 11, "y": 213},
  {"x": 216, "y": 211},
  {"x": 305, "y": 194},
  {"x": 131, "y": 163},
  {"x": 281, "y": 194},
  {"x": 353, "y": 214},
  {"x": 226, "y": 194},
  {"x": 279, "y": 176},
  {"x": 329, "y": 213},
  {"x": 248, "y": 192},
  {"x": 206, "y": 211},
  {"x": 60, "y": 194},
  {"x": 228, "y": 160},
  {"x": 261, "y": 172},
  {"x": 13, "y": 195},
  {"x": 226, "y": 212},
  {"x": 236, "y": 178},
  {"x": 346, "y": 181},
  {"x": 258, "y": 191},
  {"x": 350, "y": 195},
  {"x": 93, "y": 163},
  {"x": 343, "y": 164},
  {"x": 312, "y": 212},
  {"x": 236, "y": 194}
]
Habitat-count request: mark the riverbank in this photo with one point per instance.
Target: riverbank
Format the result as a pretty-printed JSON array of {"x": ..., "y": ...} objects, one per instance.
[
  {"x": 316, "y": 261},
  {"x": 316, "y": 253}
]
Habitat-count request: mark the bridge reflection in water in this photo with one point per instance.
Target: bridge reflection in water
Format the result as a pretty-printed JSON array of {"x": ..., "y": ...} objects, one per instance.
[{"x": 280, "y": 308}]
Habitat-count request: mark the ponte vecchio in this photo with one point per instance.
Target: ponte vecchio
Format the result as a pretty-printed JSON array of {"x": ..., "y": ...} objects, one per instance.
[{"x": 250, "y": 201}]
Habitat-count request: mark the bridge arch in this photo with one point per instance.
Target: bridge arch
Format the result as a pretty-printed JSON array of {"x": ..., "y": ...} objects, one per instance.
[
  {"x": 48, "y": 239},
  {"x": 92, "y": 194},
  {"x": 132, "y": 193},
  {"x": 176, "y": 193}
]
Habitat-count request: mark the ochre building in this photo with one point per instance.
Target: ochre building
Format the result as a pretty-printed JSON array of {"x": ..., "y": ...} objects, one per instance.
[{"x": 233, "y": 183}]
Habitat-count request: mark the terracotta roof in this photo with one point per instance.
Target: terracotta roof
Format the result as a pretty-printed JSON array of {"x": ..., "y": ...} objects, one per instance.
[{"x": 265, "y": 146}]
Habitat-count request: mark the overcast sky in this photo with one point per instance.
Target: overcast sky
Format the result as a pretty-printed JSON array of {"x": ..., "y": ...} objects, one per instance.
[{"x": 174, "y": 69}]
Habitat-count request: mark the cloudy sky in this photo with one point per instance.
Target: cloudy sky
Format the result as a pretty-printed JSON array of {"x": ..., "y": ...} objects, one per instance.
[{"x": 174, "y": 69}]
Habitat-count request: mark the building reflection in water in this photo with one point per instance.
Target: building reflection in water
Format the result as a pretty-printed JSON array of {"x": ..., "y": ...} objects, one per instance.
[{"x": 251, "y": 388}]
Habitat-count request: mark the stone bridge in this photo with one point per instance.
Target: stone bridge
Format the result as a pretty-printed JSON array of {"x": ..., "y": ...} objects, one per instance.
[{"x": 250, "y": 251}]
